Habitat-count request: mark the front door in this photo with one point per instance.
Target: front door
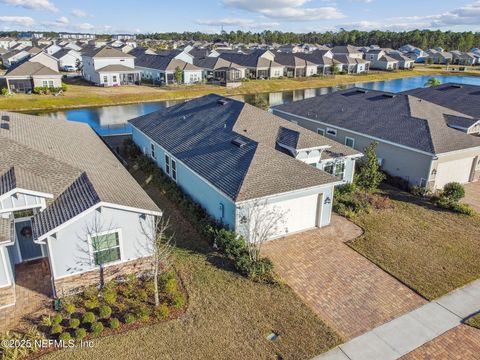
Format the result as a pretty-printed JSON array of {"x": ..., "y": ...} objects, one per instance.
[{"x": 28, "y": 249}]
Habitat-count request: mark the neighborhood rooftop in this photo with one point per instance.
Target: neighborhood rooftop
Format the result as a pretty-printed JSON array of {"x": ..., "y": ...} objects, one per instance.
[
  {"x": 392, "y": 117},
  {"x": 238, "y": 148}
]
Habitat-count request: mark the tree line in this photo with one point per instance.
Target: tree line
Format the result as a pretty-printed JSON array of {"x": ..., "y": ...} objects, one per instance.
[{"x": 424, "y": 39}]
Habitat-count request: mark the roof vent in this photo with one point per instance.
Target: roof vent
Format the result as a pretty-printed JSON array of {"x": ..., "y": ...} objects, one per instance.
[
  {"x": 362, "y": 91},
  {"x": 222, "y": 102},
  {"x": 456, "y": 86},
  {"x": 389, "y": 95},
  {"x": 239, "y": 142}
]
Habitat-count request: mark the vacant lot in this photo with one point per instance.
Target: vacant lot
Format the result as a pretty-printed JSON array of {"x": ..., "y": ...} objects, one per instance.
[
  {"x": 430, "y": 250},
  {"x": 80, "y": 94},
  {"x": 229, "y": 317}
]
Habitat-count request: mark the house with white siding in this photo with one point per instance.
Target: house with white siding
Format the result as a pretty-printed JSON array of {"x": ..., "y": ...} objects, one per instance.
[
  {"x": 107, "y": 66},
  {"x": 68, "y": 205},
  {"x": 228, "y": 155}
]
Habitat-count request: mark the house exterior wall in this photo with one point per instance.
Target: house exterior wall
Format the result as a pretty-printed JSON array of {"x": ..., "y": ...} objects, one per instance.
[
  {"x": 113, "y": 79},
  {"x": 20, "y": 201},
  {"x": 201, "y": 191},
  {"x": 70, "y": 250},
  {"x": 45, "y": 60},
  {"x": 192, "y": 76},
  {"x": 102, "y": 62},
  {"x": 408, "y": 164},
  {"x": 68, "y": 59},
  {"x": 5, "y": 268},
  {"x": 38, "y": 80},
  {"x": 472, "y": 154}
]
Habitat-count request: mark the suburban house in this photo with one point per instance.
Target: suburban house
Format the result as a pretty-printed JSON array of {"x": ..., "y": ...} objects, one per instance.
[
  {"x": 348, "y": 50},
  {"x": 12, "y": 57},
  {"x": 295, "y": 66},
  {"x": 380, "y": 60},
  {"x": 259, "y": 64},
  {"x": 228, "y": 156},
  {"x": 425, "y": 137},
  {"x": 66, "y": 204},
  {"x": 107, "y": 66},
  {"x": 404, "y": 62},
  {"x": 68, "y": 58},
  {"x": 440, "y": 57},
  {"x": 7, "y": 42},
  {"x": 217, "y": 69},
  {"x": 463, "y": 58},
  {"x": 40, "y": 70},
  {"x": 160, "y": 70}
]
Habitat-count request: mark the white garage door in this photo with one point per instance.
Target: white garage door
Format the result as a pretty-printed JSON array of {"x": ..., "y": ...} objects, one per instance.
[
  {"x": 453, "y": 171},
  {"x": 300, "y": 213}
]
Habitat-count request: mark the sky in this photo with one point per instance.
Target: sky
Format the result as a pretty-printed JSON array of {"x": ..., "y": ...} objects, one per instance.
[{"x": 145, "y": 16}]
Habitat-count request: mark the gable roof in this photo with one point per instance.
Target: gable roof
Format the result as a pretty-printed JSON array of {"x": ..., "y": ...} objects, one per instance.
[
  {"x": 199, "y": 133},
  {"x": 59, "y": 157},
  {"x": 163, "y": 63},
  {"x": 105, "y": 52},
  {"x": 398, "y": 118},
  {"x": 30, "y": 68}
]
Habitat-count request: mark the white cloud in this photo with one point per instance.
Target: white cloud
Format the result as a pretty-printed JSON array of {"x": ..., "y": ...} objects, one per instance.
[
  {"x": 79, "y": 13},
  {"x": 293, "y": 10},
  {"x": 32, "y": 4},
  {"x": 17, "y": 20},
  {"x": 84, "y": 26},
  {"x": 63, "y": 20},
  {"x": 238, "y": 22}
]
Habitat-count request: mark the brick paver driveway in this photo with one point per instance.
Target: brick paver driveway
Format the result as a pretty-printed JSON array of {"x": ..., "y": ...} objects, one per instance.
[
  {"x": 462, "y": 343},
  {"x": 345, "y": 289},
  {"x": 472, "y": 195}
]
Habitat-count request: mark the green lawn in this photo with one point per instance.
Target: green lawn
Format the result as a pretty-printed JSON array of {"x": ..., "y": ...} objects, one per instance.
[
  {"x": 430, "y": 250},
  {"x": 81, "y": 95},
  {"x": 228, "y": 316}
]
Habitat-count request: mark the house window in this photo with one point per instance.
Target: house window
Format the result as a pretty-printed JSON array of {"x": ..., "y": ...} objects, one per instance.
[
  {"x": 114, "y": 78},
  {"x": 106, "y": 247},
  {"x": 336, "y": 169},
  {"x": 321, "y": 131},
  {"x": 105, "y": 79},
  {"x": 350, "y": 142},
  {"x": 152, "y": 151},
  {"x": 167, "y": 164},
  {"x": 174, "y": 170},
  {"x": 331, "y": 132}
]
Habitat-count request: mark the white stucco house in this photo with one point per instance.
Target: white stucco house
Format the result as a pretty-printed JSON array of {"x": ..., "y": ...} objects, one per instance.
[
  {"x": 107, "y": 66},
  {"x": 68, "y": 203},
  {"x": 228, "y": 156}
]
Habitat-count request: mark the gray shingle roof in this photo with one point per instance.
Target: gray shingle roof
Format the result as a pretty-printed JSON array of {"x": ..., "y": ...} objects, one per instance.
[
  {"x": 31, "y": 68},
  {"x": 55, "y": 156},
  {"x": 199, "y": 133},
  {"x": 116, "y": 68},
  {"x": 401, "y": 119},
  {"x": 460, "y": 97},
  {"x": 105, "y": 52}
]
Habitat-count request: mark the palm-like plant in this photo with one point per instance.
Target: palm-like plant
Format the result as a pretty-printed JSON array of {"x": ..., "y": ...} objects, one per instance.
[{"x": 433, "y": 82}]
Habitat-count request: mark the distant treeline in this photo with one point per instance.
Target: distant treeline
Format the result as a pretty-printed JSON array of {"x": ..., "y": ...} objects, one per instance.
[{"x": 422, "y": 38}]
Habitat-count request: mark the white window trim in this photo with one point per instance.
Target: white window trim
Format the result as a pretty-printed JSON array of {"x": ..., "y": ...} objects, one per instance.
[
  {"x": 120, "y": 247},
  {"x": 332, "y": 130},
  {"x": 321, "y": 131},
  {"x": 153, "y": 151},
  {"x": 349, "y": 138},
  {"x": 168, "y": 166},
  {"x": 172, "y": 161}
]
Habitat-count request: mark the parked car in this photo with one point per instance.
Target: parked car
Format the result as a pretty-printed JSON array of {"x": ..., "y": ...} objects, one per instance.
[{"x": 69, "y": 68}]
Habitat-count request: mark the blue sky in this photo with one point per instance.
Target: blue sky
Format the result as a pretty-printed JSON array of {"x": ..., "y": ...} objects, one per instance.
[{"x": 210, "y": 15}]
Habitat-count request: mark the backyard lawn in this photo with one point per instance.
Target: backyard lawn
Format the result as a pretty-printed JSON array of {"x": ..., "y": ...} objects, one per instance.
[
  {"x": 80, "y": 94},
  {"x": 228, "y": 316},
  {"x": 430, "y": 250}
]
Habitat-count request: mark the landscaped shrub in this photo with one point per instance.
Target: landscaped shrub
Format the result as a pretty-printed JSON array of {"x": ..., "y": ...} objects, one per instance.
[
  {"x": 57, "y": 319},
  {"x": 228, "y": 241},
  {"x": 178, "y": 300},
  {"x": 142, "y": 295},
  {"x": 80, "y": 333},
  {"x": 5, "y": 92},
  {"x": 65, "y": 336},
  {"x": 162, "y": 311},
  {"x": 109, "y": 296},
  {"x": 47, "y": 320},
  {"x": 417, "y": 191},
  {"x": 8, "y": 352},
  {"x": 69, "y": 308},
  {"x": 113, "y": 323},
  {"x": 91, "y": 304},
  {"x": 88, "y": 318},
  {"x": 453, "y": 192},
  {"x": 96, "y": 328},
  {"x": 261, "y": 270},
  {"x": 105, "y": 312},
  {"x": 168, "y": 282},
  {"x": 129, "y": 318},
  {"x": 143, "y": 313},
  {"x": 56, "y": 329},
  {"x": 74, "y": 323},
  {"x": 464, "y": 209}
]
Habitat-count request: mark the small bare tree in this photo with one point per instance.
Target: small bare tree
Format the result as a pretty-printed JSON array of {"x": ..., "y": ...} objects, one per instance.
[
  {"x": 259, "y": 222},
  {"x": 159, "y": 245}
]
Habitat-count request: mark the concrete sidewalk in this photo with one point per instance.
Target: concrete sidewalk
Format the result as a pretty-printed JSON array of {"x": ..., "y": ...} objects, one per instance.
[{"x": 410, "y": 331}]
